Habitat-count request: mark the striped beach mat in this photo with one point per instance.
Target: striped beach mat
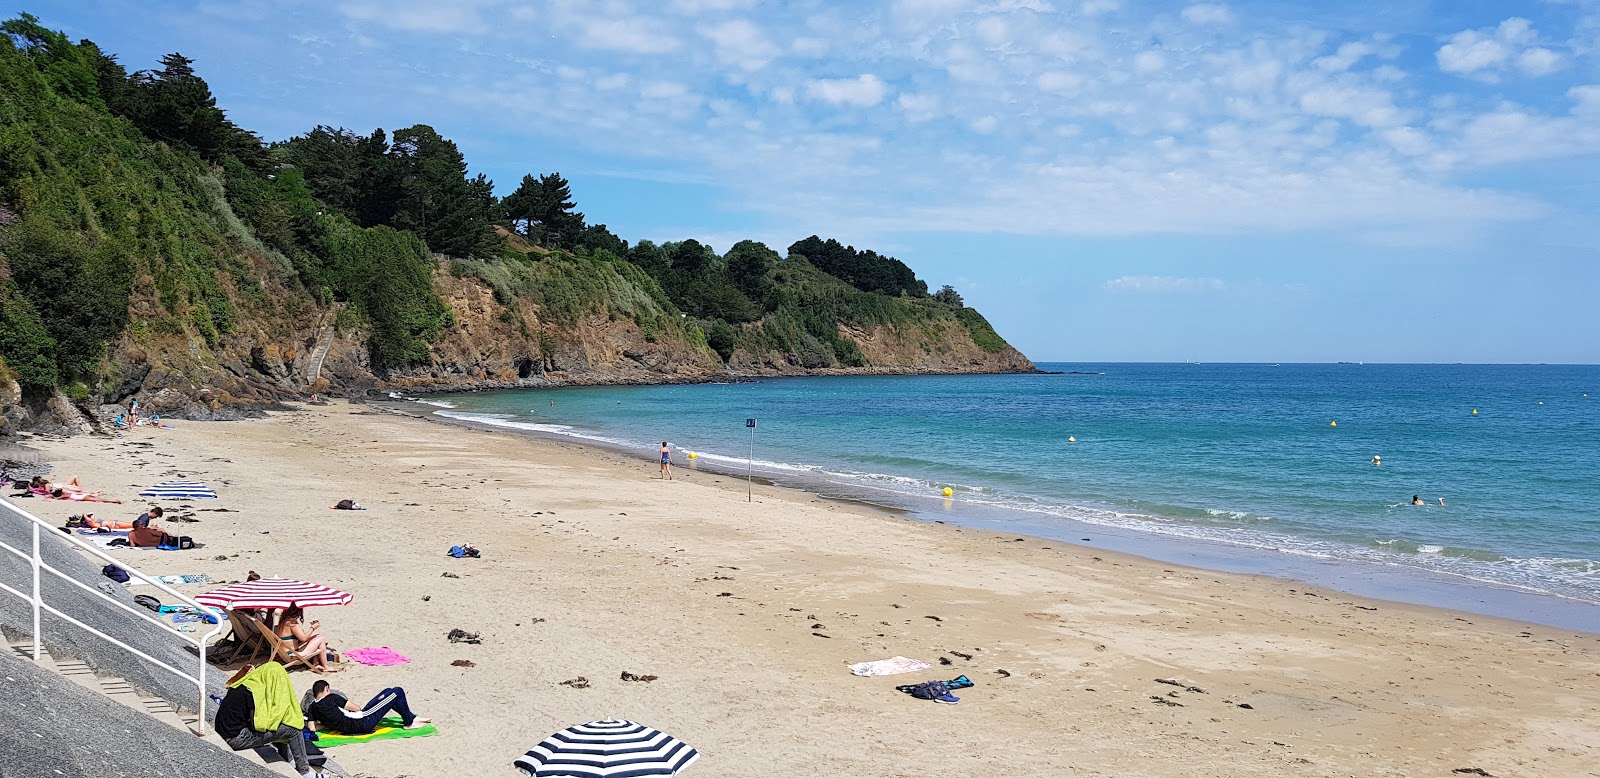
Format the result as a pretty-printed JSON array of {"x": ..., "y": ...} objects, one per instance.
[
  {"x": 608, "y": 749},
  {"x": 390, "y": 728},
  {"x": 179, "y": 490}
]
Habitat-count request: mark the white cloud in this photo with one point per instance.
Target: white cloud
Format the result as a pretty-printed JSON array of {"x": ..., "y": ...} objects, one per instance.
[
  {"x": 1207, "y": 14},
  {"x": 1060, "y": 82},
  {"x": 985, "y": 125},
  {"x": 739, "y": 42},
  {"x": 918, "y": 108},
  {"x": 629, "y": 34},
  {"x": 703, "y": 6},
  {"x": 809, "y": 47},
  {"x": 1347, "y": 56},
  {"x": 1098, "y": 7},
  {"x": 1165, "y": 285},
  {"x": 418, "y": 17},
  {"x": 1149, "y": 62},
  {"x": 1539, "y": 61},
  {"x": 1485, "y": 52},
  {"x": 863, "y": 91},
  {"x": 1366, "y": 106},
  {"x": 1408, "y": 140}
]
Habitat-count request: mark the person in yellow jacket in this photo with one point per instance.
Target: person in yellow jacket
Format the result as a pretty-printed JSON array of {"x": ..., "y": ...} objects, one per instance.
[{"x": 259, "y": 709}]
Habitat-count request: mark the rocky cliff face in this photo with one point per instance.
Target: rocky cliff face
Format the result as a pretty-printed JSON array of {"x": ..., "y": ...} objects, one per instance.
[{"x": 271, "y": 357}]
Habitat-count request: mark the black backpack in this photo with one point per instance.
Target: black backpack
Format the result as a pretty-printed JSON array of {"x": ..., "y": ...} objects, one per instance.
[{"x": 115, "y": 573}]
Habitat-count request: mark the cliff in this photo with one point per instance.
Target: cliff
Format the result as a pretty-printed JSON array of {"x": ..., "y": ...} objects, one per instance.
[{"x": 151, "y": 249}]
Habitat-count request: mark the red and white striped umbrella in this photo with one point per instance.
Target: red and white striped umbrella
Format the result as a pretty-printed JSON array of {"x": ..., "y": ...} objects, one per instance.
[{"x": 273, "y": 593}]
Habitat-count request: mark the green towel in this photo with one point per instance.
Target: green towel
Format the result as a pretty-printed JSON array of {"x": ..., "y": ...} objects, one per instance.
[
  {"x": 390, "y": 728},
  {"x": 274, "y": 697}
]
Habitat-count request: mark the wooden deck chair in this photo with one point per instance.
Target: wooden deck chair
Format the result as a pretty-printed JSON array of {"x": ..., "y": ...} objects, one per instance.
[
  {"x": 281, "y": 653},
  {"x": 250, "y": 645}
]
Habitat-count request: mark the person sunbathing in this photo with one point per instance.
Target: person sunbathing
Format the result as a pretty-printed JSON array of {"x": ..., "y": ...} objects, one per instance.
[
  {"x": 90, "y": 522},
  {"x": 303, "y": 639},
  {"x": 62, "y": 494},
  {"x": 43, "y": 486}
]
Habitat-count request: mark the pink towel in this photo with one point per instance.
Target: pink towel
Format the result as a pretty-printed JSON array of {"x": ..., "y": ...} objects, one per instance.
[{"x": 382, "y": 656}]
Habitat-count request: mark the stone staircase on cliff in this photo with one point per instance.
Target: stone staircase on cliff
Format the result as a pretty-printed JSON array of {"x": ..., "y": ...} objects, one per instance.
[{"x": 320, "y": 353}]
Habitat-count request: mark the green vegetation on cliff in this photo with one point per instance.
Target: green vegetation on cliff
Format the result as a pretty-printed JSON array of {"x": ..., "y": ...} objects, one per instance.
[{"x": 134, "y": 212}]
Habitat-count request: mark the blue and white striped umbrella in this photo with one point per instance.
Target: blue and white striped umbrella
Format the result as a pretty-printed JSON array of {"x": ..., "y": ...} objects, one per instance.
[
  {"x": 179, "y": 490},
  {"x": 608, "y": 749}
]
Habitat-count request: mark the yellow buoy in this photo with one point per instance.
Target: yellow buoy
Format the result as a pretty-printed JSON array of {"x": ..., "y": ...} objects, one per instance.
[
  {"x": 692, "y": 455},
  {"x": 1071, "y": 439},
  {"x": 1333, "y": 424},
  {"x": 948, "y": 491},
  {"x": 1474, "y": 411}
]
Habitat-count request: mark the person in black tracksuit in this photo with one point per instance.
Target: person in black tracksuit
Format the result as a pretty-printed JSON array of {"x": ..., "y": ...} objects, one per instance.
[{"x": 333, "y": 711}]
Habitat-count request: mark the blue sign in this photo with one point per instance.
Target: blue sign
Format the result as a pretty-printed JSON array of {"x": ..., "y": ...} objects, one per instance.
[{"x": 749, "y": 422}]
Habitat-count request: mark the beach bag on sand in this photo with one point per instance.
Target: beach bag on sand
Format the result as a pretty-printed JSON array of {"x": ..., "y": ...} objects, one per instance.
[
  {"x": 148, "y": 602},
  {"x": 176, "y": 543},
  {"x": 115, "y": 573},
  {"x": 464, "y": 550},
  {"x": 345, "y": 505}
]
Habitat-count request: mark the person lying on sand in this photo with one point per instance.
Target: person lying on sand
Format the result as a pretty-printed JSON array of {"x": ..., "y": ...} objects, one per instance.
[
  {"x": 304, "y": 639},
  {"x": 88, "y": 521},
  {"x": 62, "y": 494},
  {"x": 333, "y": 711}
]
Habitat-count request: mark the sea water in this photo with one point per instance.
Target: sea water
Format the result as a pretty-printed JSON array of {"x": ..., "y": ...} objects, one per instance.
[{"x": 1229, "y": 464}]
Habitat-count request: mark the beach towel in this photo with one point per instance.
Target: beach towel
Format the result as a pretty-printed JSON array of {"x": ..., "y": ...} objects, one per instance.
[
  {"x": 382, "y": 656},
  {"x": 175, "y": 580},
  {"x": 108, "y": 534},
  {"x": 391, "y": 728},
  {"x": 274, "y": 697},
  {"x": 892, "y": 666}
]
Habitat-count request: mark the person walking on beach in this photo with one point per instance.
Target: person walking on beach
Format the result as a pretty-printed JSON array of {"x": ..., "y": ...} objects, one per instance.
[{"x": 666, "y": 462}]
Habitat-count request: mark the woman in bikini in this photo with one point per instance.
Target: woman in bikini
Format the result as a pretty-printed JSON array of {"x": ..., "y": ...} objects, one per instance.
[
  {"x": 302, "y": 639},
  {"x": 666, "y": 462}
]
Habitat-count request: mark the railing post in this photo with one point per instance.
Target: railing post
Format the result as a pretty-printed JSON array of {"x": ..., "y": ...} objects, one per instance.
[
  {"x": 200, "y": 724},
  {"x": 38, "y": 597}
]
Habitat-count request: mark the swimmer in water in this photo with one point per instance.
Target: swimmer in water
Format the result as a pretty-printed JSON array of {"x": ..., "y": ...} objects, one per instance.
[
  {"x": 1416, "y": 500},
  {"x": 1376, "y": 460},
  {"x": 666, "y": 462},
  {"x": 1441, "y": 502}
]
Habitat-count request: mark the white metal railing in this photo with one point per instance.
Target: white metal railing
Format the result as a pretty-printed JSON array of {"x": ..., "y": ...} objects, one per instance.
[{"x": 36, "y": 598}]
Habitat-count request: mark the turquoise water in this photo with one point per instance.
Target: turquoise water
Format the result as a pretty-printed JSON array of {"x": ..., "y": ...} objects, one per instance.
[{"x": 1238, "y": 455}]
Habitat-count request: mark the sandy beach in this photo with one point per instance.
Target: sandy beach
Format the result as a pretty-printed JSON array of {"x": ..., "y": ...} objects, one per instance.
[{"x": 749, "y": 614}]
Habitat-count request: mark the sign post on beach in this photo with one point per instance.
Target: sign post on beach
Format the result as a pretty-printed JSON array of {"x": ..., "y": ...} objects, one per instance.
[{"x": 749, "y": 480}]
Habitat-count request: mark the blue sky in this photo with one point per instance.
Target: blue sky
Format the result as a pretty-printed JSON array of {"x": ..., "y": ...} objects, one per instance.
[{"x": 1104, "y": 179}]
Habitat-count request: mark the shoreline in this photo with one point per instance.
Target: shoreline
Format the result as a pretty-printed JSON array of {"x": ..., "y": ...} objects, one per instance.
[
  {"x": 1391, "y": 583},
  {"x": 750, "y": 613}
]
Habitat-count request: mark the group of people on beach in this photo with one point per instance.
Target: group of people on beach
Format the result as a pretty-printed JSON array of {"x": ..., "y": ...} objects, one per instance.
[
  {"x": 321, "y": 709},
  {"x": 44, "y": 488}
]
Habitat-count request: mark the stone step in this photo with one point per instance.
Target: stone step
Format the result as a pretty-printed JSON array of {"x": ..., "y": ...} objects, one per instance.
[{"x": 121, "y": 691}]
